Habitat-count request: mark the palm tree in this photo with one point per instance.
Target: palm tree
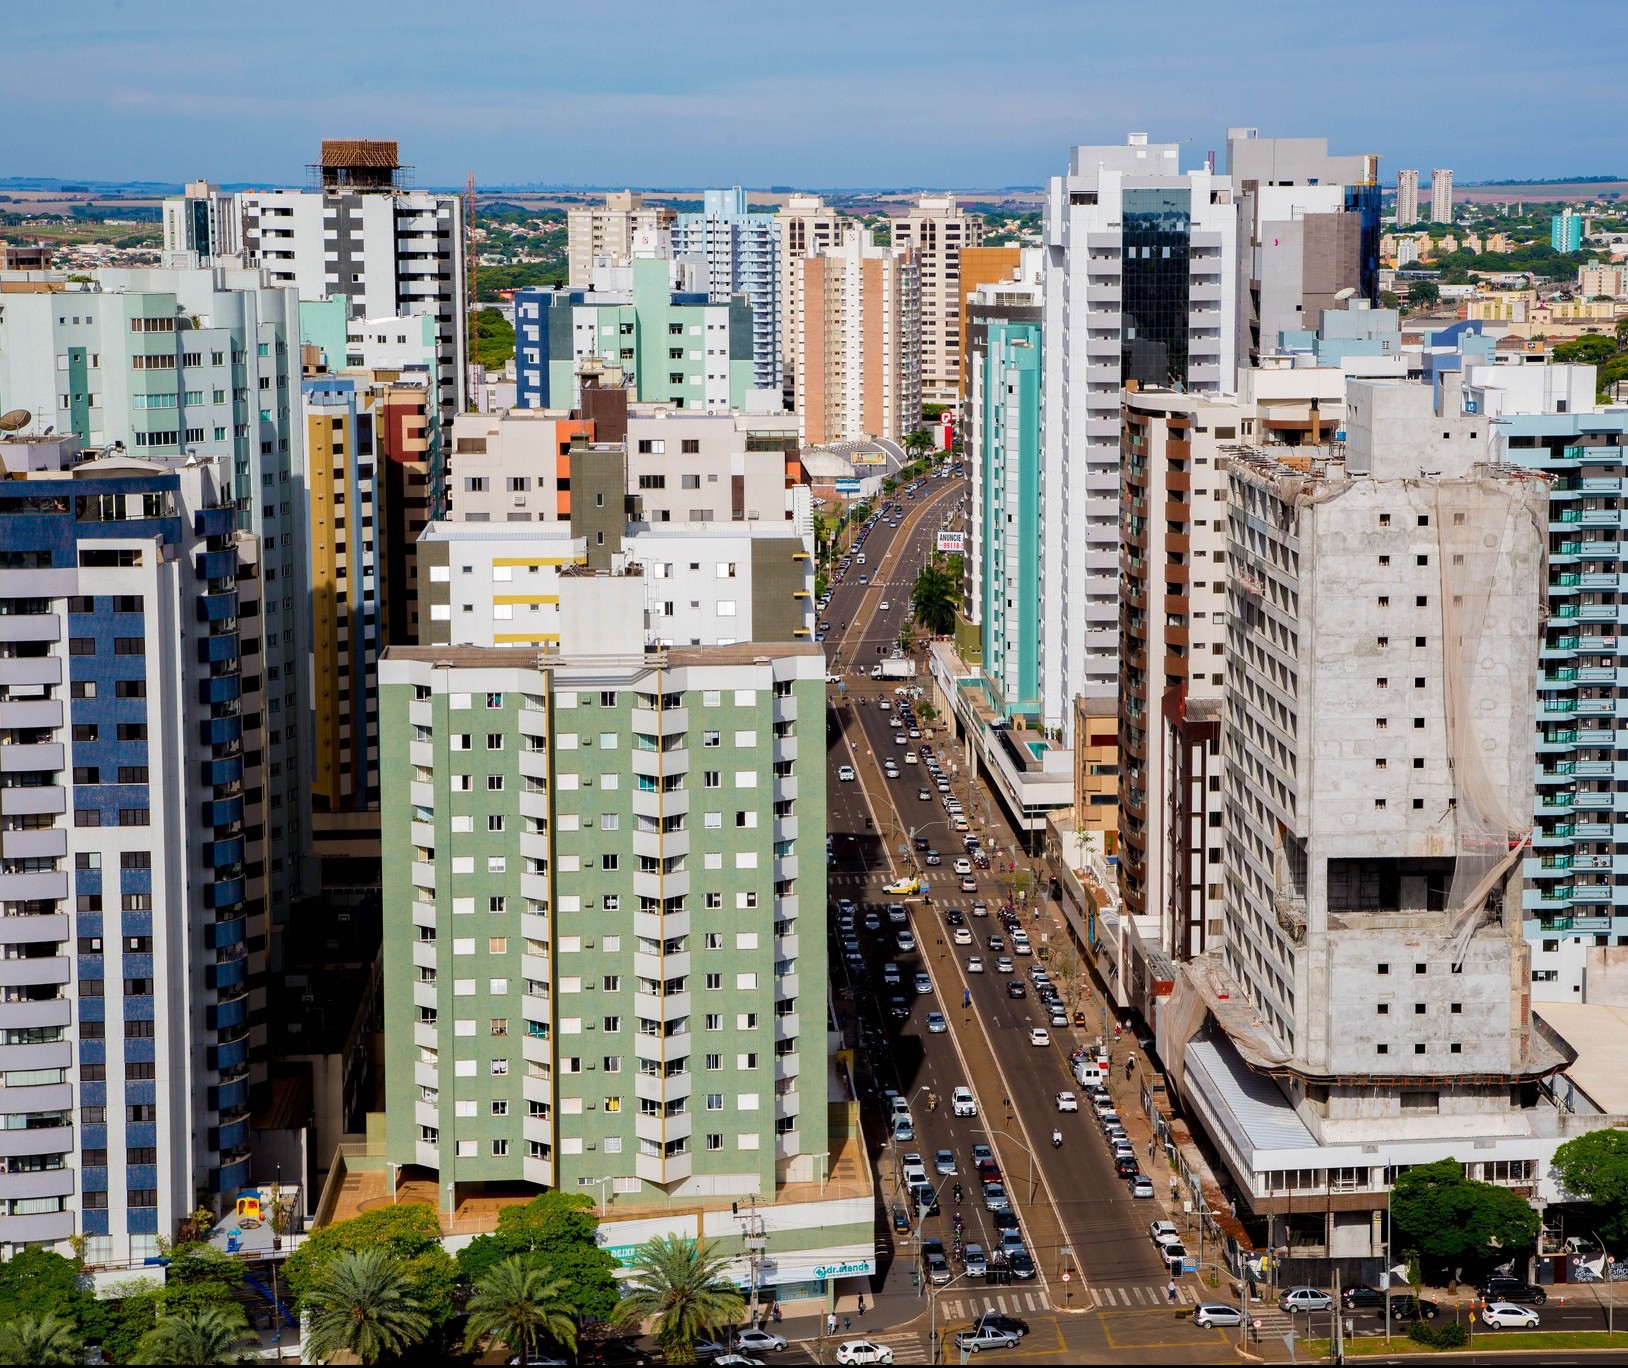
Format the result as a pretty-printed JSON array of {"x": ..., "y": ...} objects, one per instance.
[
  {"x": 363, "y": 1307},
  {"x": 209, "y": 1334},
  {"x": 39, "y": 1339},
  {"x": 935, "y": 598},
  {"x": 519, "y": 1303},
  {"x": 918, "y": 442},
  {"x": 681, "y": 1284}
]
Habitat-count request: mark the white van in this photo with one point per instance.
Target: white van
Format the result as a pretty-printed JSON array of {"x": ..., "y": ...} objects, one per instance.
[{"x": 1089, "y": 1071}]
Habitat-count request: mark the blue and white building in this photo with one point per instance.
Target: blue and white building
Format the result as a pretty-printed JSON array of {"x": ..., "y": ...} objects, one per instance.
[
  {"x": 128, "y": 934},
  {"x": 741, "y": 256}
]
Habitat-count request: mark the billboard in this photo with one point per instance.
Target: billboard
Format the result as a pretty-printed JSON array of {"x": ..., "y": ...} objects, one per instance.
[
  {"x": 867, "y": 458},
  {"x": 955, "y": 543},
  {"x": 847, "y": 486}
]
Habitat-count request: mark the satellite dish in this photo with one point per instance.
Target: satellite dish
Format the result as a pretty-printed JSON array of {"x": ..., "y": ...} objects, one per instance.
[
  {"x": 1346, "y": 293},
  {"x": 16, "y": 420}
]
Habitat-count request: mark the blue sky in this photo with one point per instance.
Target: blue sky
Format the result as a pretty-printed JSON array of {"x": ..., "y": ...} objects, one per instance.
[{"x": 972, "y": 93}]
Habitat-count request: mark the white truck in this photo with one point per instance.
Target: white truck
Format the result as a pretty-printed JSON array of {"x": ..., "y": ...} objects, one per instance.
[{"x": 894, "y": 669}]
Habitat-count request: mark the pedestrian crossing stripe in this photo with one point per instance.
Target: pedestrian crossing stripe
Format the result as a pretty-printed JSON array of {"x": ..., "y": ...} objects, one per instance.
[
  {"x": 1143, "y": 1296},
  {"x": 1006, "y": 1304}
]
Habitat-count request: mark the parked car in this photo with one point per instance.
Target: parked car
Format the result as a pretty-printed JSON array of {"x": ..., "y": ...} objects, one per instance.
[
  {"x": 1502, "y": 1289},
  {"x": 1141, "y": 1186}
]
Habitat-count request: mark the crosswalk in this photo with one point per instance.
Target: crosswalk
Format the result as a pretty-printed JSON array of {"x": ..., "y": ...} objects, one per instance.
[
  {"x": 1142, "y": 1295},
  {"x": 1012, "y": 1303}
]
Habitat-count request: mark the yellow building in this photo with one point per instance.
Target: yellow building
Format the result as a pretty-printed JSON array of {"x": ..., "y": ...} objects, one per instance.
[{"x": 1096, "y": 772}]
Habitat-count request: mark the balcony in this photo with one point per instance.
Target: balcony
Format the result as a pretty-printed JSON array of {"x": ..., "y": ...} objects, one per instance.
[{"x": 39, "y": 756}]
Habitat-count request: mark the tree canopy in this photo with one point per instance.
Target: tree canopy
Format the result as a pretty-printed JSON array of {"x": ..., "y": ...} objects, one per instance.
[
  {"x": 557, "y": 1229},
  {"x": 935, "y": 597},
  {"x": 1593, "y": 350},
  {"x": 682, "y": 1285},
  {"x": 1455, "y": 1223},
  {"x": 409, "y": 1232},
  {"x": 38, "y": 1283},
  {"x": 491, "y": 338},
  {"x": 1595, "y": 1167}
]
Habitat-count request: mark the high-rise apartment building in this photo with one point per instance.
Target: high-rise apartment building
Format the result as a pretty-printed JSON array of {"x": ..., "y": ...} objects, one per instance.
[
  {"x": 741, "y": 255},
  {"x": 1407, "y": 197},
  {"x": 199, "y": 363},
  {"x": 614, "y": 232},
  {"x": 673, "y": 346},
  {"x": 202, "y": 226},
  {"x": 804, "y": 226},
  {"x": 1141, "y": 286},
  {"x": 937, "y": 230},
  {"x": 982, "y": 266},
  {"x": 362, "y": 234},
  {"x": 1308, "y": 234},
  {"x": 642, "y": 1028},
  {"x": 131, "y": 801},
  {"x": 1441, "y": 195},
  {"x": 857, "y": 342},
  {"x": 1173, "y": 615},
  {"x": 1566, "y": 231},
  {"x": 1382, "y": 632}
]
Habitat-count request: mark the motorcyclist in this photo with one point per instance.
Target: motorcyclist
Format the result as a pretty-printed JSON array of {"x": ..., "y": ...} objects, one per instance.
[
  {"x": 958, "y": 1194},
  {"x": 1057, "y": 1139}
]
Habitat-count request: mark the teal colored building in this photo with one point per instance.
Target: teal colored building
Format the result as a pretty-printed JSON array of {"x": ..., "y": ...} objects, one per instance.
[
  {"x": 1005, "y": 559},
  {"x": 673, "y": 347},
  {"x": 1566, "y": 231}
]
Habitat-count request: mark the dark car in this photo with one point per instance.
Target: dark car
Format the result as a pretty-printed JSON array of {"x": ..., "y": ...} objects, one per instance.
[
  {"x": 995, "y": 1321},
  {"x": 1408, "y": 1307},
  {"x": 922, "y": 843},
  {"x": 1004, "y": 1220},
  {"x": 1015, "y": 989},
  {"x": 1126, "y": 1168},
  {"x": 932, "y": 1245},
  {"x": 1022, "y": 1265},
  {"x": 900, "y": 1220},
  {"x": 1512, "y": 1290},
  {"x": 1362, "y": 1296}
]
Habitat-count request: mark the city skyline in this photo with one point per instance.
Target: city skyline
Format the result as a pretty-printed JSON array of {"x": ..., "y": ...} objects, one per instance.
[{"x": 671, "y": 107}]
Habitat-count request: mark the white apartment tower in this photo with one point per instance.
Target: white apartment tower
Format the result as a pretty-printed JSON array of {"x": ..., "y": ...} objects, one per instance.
[
  {"x": 936, "y": 229},
  {"x": 620, "y": 229},
  {"x": 360, "y": 233},
  {"x": 1141, "y": 285},
  {"x": 1407, "y": 197},
  {"x": 740, "y": 254},
  {"x": 201, "y": 226},
  {"x": 1441, "y": 195},
  {"x": 804, "y": 226}
]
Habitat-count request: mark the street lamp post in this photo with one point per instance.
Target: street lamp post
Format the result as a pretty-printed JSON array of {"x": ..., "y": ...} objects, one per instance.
[{"x": 933, "y": 1355}]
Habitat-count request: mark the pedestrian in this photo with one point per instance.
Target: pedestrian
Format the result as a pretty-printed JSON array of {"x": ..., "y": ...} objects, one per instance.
[
  {"x": 862, "y": 1308},
  {"x": 831, "y": 1323},
  {"x": 1170, "y": 1291},
  {"x": 1130, "y": 1065},
  {"x": 847, "y": 1324}
]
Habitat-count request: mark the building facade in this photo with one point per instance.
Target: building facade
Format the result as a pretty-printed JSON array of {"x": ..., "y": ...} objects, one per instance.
[
  {"x": 391, "y": 251},
  {"x": 1141, "y": 285},
  {"x": 741, "y": 251},
  {"x": 202, "y": 226},
  {"x": 616, "y": 231},
  {"x": 1566, "y": 231},
  {"x": 574, "y": 1017},
  {"x": 937, "y": 230},
  {"x": 804, "y": 226},
  {"x": 1407, "y": 197},
  {"x": 1441, "y": 195},
  {"x": 857, "y": 346},
  {"x": 131, "y": 813}
]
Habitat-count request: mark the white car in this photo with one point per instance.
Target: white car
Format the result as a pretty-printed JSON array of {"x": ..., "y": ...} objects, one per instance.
[
  {"x": 1067, "y": 1102},
  {"x": 759, "y": 1341},
  {"x": 1506, "y": 1315},
  {"x": 1209, "y": 1314},
  {"x": 975, "y": 964},
  {"x": 962, "y": 1102},
  {"x": 1039, "y": 1035},
  {"x": 883, "y": 606},
  {"x": 863, "y": 1351},
  {"x": 963, "y": 866},
  {"x": 962, "y": 936},
  {"x": 846, "y": 774}
]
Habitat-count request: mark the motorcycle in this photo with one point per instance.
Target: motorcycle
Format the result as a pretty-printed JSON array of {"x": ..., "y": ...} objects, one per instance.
[{"x": 1057, "y": 1139}]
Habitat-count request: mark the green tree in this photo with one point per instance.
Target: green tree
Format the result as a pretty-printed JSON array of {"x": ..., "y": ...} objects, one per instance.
[
  {"x": 681, "y": 1285},
  {"x": 200, "y": 1277},
  {"x": 560, "y": 1228},
  {"x": 935, "y": 597},
  {"x": 409, "y": 1233},
  {"x": 364, "y": 1306},
  {"x": 1456, "y": 1223},
  {"x": 37, "y": 1283},
  {"x": 39, "y": 1339},
  {"x": 1585, "y": 351},
  {"x": 211, "y": 1334},
  {"x": 522, "y": 1303},
  {"x": 918, "y": 443},
  {"x": 1423, "y": 294},
  {"x": 1595, "y": 1167},
  {"x": 491, "y": 338},
  {"x": 1389, "y": 299}
]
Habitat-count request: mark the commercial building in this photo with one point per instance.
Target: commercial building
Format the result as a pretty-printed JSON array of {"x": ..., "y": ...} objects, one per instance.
[
  {"x": 857, "y": 342},
  {"x": 741, "y": 255},
  {"x": 804, "y": 226},
  {"x": 673, "y": 346},
  {"x": 937, "y": 230},
  {"x": 1141, "y": 285},
  {"x": 1566, "y": 231},
  {"x": 614, "y": 232},
  {"x": 200, "y": 363},
  {"x": 362, "y": 234},
  {"x": 1368, "y": 1006},
  {"x": 1441, "y": 195},
  {"x": 131, "y": 844},
  {"x": 1407, "y": 197},
  {"x": 572, "y": 1017},
  {"x": 1308, "y": 234}
]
